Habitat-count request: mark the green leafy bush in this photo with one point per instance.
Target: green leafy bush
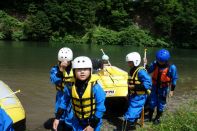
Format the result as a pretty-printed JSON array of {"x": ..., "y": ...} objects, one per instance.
[
  {"x": 38, "y": 26},
  {"x": 72, "y": 40},
  {"x": 2, "y": 36},
  {"x": 133, "y": 35},
  {"x": 18, "y": 35},
  {"x": 9, "y": 26},
  {"x": 103, "y": 36}
]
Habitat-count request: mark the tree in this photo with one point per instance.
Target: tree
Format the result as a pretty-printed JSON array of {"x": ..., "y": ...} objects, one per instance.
[{"x": 38, "y": 26}]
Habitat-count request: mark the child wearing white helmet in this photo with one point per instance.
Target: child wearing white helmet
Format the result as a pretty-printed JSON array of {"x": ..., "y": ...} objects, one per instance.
[
  {"x": 87, "y": 98},
  {"x": 139, "y": 83},
  {"x": 58, "y": 76}
]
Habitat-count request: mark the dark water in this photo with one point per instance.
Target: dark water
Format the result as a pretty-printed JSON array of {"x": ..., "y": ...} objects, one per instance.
[{"x": 26, "y": 66}]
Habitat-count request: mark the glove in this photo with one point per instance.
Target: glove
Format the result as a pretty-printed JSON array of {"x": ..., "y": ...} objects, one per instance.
[
  {"x": 172, "y": 87},
  {"x": 139, "y": 88},
  {"x": 59, "y": 74},
  {"x": 148, "y": 92},
  {"x": 94, "y": 121}
]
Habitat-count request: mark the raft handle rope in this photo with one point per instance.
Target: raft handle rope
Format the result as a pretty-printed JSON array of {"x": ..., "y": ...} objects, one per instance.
[{"x": 18, "y": 91}]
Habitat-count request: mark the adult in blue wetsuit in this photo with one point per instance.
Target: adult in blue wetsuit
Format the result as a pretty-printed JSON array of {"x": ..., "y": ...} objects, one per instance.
[
  {"x": 164, "y": 76},
  {"x": 5, "y": 121},
  {"x": 59, "y": 75},
  {"x": 87, "y": 97},
  {"x": 139, "y": 84}
]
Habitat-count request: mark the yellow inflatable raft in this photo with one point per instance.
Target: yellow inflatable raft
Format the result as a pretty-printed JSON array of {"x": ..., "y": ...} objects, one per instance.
[
  {"x": 114, "y": 81},
  {"x": 11, "y": 104}
]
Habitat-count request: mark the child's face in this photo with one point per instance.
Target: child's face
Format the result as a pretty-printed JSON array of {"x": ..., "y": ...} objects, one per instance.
[
  {"x": 161, "y": 63},
  {"x": 65, "y": 63},
  {"x": 130, "y": 64},
  {"x": 82, "y": 73}
]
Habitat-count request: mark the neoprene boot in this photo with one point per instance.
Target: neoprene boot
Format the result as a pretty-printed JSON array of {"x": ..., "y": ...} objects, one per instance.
[
  {"x": 156, "y": 121},
  {"x": 131, "y": 126},
  {"x": 128, "y": 126},
  {"x": 124, "y": 124}
]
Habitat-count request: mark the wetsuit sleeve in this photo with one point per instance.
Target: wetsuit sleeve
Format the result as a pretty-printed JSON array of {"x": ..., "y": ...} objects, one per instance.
[
  {"x": 65, "y": 103},
  {"x": 65, "y": 99},
  {"x": 174, "y": 76},
  {"x": 145, "y": 79},
  {"x": 151, "y": 67},
  {"x": 6, "y": 123},
  {"x": 56, "y": 76},
  {"x": 99, "y": 95},
  {"x": 59, "y": 113}
]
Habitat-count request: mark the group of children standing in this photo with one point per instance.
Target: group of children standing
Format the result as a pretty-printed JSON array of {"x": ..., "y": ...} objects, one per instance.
[{"x": 80, "y": 99}]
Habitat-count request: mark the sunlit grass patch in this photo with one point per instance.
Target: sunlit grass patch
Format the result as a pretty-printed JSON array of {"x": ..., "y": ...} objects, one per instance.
[{"x": 183, "y": 119}]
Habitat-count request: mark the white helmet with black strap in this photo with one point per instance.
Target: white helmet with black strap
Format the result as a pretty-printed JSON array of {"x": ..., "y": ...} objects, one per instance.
[
  {"x": 134, "y": 57},
  {"x": 82, "y": 62},
  {"x": 65, "y": 54}
]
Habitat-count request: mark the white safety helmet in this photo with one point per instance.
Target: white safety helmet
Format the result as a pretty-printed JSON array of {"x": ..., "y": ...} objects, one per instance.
[
  {"x": 135, "y": 57},
  {"x": 65, "y": 54},
  {"x": 82, "y": 62},
  {"x": 105, "y": 57}
]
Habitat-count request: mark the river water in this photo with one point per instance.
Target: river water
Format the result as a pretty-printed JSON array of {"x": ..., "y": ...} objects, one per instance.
[{"x": 26, "y": 66}]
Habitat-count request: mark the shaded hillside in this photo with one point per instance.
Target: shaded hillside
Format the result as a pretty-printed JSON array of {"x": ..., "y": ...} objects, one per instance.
[{"x": 170, "y": 23}]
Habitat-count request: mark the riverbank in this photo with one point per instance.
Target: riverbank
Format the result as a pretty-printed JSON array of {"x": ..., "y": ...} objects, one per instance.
[
  {"x": 29, "y": 64},
  {"x": 176, "y": 117},
  {"x": 181, "y": 114}
]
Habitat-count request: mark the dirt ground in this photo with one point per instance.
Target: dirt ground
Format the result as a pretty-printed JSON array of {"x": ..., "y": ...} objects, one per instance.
[{"x": 115, "y": 123}]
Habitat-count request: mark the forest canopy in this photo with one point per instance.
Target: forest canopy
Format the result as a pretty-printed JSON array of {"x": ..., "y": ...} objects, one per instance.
[{"x": 167, "y": 23}]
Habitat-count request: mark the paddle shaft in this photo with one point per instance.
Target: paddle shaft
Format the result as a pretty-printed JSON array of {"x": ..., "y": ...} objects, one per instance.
[
  {"x": 102, "y": 51},
  {"x": 105, "y": 54},
  {"x": 145, "y": 58}
]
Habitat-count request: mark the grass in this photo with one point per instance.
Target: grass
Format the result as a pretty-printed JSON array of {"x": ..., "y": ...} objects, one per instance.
[{"x": 183, "y": 119}]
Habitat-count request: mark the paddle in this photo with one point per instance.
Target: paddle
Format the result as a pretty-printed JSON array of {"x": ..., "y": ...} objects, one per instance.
[
  {"x": 106, "y": 69},
  {"x": 145, "y": 63},
  {"x": 148, "y": 92},
  {"x": 18, "y": 91},
  {"x": 145, "y": 58}
]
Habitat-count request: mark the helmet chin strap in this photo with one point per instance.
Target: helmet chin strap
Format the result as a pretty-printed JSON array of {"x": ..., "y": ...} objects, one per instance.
[{"x": 133, "y": 69}]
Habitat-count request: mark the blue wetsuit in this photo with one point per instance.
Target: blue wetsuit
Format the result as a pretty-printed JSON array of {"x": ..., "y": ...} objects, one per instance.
[
  {"x": 160, "y": 91},
  {"x": 138, "y": 96},
  {"x": 56, "y": 78},
  {"x": 99, "y": 95}
]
